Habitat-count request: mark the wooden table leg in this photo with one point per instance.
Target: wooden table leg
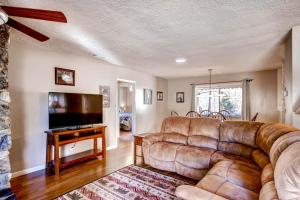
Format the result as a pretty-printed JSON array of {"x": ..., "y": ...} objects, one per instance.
[
  {"x": 142, "y": 156},
  {"x": 95, "y": 146},
  {"x": 134, "y": 152},
  {"x": 48, "y": 153},
  {"x": 103, "y": 145},
  {"x": 56, "y": 154}
]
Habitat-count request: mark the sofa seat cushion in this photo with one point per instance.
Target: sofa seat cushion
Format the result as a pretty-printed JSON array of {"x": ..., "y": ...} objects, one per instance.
[
  {"x": 236, "y": 148},
  {"x": 175, "y": 138},
  {"x": 194, "y": 193},
  {"x": 221, "y": 155},
  {"x": 162, "y": 165},
  {"x": 189, "y": 172},
  {"x": 194, "y": 157},
  {"x": 232, "y": 180},
  {"x": 164, "y": 151}
]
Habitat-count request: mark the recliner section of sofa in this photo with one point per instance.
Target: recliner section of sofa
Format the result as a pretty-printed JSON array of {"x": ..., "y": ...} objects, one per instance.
[{"x": 231, "y": 160}]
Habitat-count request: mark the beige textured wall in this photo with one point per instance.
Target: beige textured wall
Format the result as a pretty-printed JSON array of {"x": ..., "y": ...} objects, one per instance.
[
  {"x": 287, "y": 76},
  {"x": 291, "y": 77},
  {"x": 263, "y": 92},
  {"x": 280, "y": 95},
  {"x": 296, "y": 75},
  {"x": 162, "y": 106},
  {"x": 125, "y": 98},
  {"x": 31, "y": 77}
]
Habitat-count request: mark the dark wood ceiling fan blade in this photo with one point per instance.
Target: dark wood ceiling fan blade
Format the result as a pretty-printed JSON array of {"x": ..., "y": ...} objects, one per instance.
[
  {"x": 47, "y": 15},
  {"x": 26, "y": 30}
]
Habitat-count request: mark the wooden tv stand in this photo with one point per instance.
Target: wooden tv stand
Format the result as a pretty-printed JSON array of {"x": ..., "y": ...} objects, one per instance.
[{"x": 63, "y": 137}]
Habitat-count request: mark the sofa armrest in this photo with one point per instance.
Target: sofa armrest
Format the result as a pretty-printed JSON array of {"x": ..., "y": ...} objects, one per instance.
[
  {"x": 189, "y": 192},
  {"x": 148, "y": 140}
]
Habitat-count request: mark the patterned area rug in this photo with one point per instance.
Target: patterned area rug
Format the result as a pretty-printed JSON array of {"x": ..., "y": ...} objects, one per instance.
[{"x": 129, "y": 183}]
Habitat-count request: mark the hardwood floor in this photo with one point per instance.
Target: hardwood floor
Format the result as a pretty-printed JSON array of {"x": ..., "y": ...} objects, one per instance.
[{"x": 39, "y": 185}]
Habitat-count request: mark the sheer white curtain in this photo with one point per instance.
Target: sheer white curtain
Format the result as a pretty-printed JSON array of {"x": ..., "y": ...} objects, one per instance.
[
  {"x": 193, "y": 98},
  {"x": 240, "y": 100},
  {"x": 246, "y": 100}
]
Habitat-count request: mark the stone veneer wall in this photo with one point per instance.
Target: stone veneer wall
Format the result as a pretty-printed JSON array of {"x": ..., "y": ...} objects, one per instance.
[{"x": 5, "y": 132}]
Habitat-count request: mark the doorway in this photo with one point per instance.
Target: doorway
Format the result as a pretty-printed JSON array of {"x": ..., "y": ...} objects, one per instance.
[{"x": 126, "y": 109}]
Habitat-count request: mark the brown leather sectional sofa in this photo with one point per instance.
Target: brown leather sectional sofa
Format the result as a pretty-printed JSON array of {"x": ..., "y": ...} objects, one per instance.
[{"x": 236, "y": 160}]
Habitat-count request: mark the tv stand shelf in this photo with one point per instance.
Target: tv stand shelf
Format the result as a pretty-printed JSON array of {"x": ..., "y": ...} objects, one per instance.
[{"x": 63, "y": 137}]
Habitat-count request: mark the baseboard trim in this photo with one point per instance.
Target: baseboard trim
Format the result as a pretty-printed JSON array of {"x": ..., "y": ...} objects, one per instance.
[
  {"x": 41, "y": 167},
  {"x": 28, "y": 171}
]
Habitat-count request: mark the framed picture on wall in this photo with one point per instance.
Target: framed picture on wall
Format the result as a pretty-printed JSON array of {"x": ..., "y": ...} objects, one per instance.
[
  {"x": 147, "y": 96},
  {"x": 180, "y": 97},
  {"x": 160, "y": 96},
  {"x": 105, "y": 92},
  {"x": 64, "y": 76}
]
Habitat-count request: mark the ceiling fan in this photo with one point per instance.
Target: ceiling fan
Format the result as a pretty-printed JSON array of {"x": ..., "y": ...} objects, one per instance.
[{"x": 48, "y": 15}]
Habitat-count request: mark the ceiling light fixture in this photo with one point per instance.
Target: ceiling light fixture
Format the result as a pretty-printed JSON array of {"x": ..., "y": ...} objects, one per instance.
[{"x": 180, "y": 60}]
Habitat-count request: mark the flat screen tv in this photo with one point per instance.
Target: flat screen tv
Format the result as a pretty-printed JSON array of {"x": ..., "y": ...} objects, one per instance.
[{"x": 74, "y": 110}]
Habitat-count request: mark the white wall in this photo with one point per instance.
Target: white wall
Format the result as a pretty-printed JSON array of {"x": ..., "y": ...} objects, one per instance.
[
  {"x": 280, "y": 96},
  {"x": 31, "y": 77},
  {"x": 162, "y": 106},
  {"x": 125, "y": 98},
  {"x": 287, "y": 80},
  {"x": 263, "y": 92},
  {"x": 291, "y": 77},
  {"x": 294, "y": 76}
]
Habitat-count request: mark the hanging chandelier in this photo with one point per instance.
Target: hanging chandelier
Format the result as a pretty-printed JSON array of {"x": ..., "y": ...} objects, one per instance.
[{"x": 211, "y": 92}]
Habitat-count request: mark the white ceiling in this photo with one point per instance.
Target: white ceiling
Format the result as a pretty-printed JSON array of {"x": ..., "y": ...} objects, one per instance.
[{"x": 226, "y": 35}]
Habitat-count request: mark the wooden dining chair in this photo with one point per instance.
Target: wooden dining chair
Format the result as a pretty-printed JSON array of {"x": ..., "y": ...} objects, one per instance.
[
  {"x": 205, "y": 113},
  {"x": 192, "y": 114},
  {"x": 174, "y": 113},
  {"x": 226, "y": 114},
  {"x": 254, "y": 118},
  {"x": 217, "y": 115}
]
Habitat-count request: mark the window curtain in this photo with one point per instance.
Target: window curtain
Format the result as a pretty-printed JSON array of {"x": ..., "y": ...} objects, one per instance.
[
  {"x": 193, "y": 98},
  {"x": 246, "y": 100}
]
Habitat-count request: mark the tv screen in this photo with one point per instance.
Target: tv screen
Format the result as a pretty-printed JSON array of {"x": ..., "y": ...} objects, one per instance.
[{"x": 71, "y": 109}]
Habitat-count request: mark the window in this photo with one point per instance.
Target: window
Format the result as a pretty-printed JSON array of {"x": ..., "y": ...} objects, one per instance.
[{"x": 222, "y": 97}]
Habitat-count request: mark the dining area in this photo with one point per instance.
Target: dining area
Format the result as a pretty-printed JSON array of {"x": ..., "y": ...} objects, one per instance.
[{"x": 222, "y": 115}]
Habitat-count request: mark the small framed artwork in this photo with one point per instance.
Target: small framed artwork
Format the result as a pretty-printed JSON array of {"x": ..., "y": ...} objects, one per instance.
[
  {"x": 105, "y": 92},
  {"x": 147, "y": 96},
  {"x": 64, "y": 76},
  {"x": 180, "y": 97},
  {"x": 160, "y": 96}
]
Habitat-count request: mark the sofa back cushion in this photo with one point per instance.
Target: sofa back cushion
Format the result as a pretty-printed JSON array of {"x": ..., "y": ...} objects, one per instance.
[
  {"x": 180, "y": 125},
  {"x": 260, "y": 158},
  {"x": 238, "y": 137},
  {"x": 204, "y": 132},
  {"x": 242, "y": 132},
  {"x": 269, "y": 133},
  {"x": 175, "y": 138},
  {"x": 208, "y": 127}
]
